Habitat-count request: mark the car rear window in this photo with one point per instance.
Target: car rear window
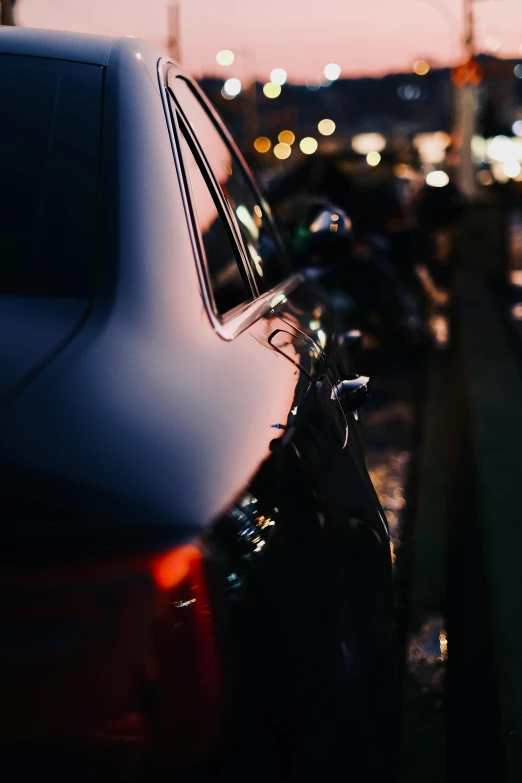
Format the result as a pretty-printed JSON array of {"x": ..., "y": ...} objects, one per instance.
[{"x": 50, "y": 127}]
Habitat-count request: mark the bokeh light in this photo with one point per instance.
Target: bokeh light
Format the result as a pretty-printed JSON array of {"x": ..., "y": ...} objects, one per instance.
[
  {"x": 517, "y": 128},
  {"x": 363, "y": 143},
  {"x": 479, "y": 149},
  {"x": 373, "y": 158},
  {"x": 431, "y": 146},
  {"x": 262, "y": 144},
  {"x": 497, "y": 169},
  {"x": 518, "y": 71},
  {"x": 286, "y": 137},
  {"x": 232, "y": 87},
  {"x": 401, "y": 170},
  {"x": 282, "y": 151},
  {"x": 421, "y": 67},
  {"x": 484, "y": 178},
  {"x": 278, "y": 76},
  {"x": 308, "y": 145},
  {"x": 326, "y": 127},
  {"x": 409, "y": 92},
  {"x": 437, "y": 179},
  {"x": 313, "y": 84},
  {"x": 271, "y": 90},
  {"x": 225, "y": 57},
  {"x": 443, "y": 138},
  {"x": 512, "y": 168},
  {"x": 332, "y": 71},
  {"x": 500, "y": 149}
]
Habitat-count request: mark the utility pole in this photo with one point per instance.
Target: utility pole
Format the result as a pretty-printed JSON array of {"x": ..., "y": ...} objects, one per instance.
[
  {"x": 469, "y": 29},
  {"x": 173, "y": 41},
  {"x": 6, "y": 13},
  {"x": 466, "y": 108}
]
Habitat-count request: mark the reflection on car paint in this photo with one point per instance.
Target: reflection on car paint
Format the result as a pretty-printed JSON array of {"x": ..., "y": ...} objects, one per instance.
[{"x": 244, "y": 531}]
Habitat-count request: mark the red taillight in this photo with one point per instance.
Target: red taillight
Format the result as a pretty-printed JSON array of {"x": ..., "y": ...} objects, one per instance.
[
  {"x": 187, "y": 684},
  {"x": 120, "y": 654}
]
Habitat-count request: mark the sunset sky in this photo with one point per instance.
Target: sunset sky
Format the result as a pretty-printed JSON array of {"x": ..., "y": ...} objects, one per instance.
[{"x": 363, "y": 36}]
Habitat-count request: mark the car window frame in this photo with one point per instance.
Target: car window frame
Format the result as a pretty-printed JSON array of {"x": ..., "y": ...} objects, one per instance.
[
  {"x": 228, "y": 141},
  {"x": 185, "y": 132},
  {"x": 217, "y": 190},
  {"x": 227, "y": 329}
]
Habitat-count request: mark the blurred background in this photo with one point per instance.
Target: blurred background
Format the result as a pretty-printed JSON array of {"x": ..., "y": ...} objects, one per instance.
[{"x": 295, "y": 79}]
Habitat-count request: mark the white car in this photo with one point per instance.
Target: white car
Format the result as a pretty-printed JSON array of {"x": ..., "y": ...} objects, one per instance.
[{"x": 195, "y": 566}]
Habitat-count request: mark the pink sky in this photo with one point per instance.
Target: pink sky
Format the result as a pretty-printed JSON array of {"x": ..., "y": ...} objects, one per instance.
[{"x": 363, "y": 36}]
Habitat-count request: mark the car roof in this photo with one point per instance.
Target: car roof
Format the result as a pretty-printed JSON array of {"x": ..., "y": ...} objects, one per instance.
[{"x": 76, "y": 47}]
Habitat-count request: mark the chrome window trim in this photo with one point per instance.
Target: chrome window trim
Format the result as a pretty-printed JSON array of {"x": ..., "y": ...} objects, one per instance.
[
  {"x": 255, "y": 310},
  {"x": 227, "y": 139},
  {"x": 232, "y": 219},
  {"x": 228, "y": 327},
  {"x": 201, "y": 266},
  {"x": 251, "y": 292}
]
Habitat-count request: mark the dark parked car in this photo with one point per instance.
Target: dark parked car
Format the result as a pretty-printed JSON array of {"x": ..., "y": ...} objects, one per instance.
[{"x": 195, "y": 565}]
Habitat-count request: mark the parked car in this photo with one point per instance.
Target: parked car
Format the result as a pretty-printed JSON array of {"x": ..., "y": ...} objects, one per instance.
[{"x": 196, "y": 568}]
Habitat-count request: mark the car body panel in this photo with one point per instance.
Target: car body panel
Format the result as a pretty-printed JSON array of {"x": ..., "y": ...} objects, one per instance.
[
  {"x": 31, "y": 330},
  {"x": 138, "y": 378},
  {"x": 78, "y": 47}
]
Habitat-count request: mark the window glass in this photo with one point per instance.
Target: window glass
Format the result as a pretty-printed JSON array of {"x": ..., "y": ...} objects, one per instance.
[
  {"x": 229, "y": 287},
  {"x": 50, "y": 126},
  {"x": 250, "y": 211}
]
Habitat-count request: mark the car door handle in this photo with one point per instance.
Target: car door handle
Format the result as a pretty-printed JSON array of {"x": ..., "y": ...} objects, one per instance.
[{"x": 353, "y": 391}]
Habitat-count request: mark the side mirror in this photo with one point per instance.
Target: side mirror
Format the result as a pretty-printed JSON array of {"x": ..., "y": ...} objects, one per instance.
[
  {"x": 323, "y": 237},
  {"x": 353, "y": 391}
]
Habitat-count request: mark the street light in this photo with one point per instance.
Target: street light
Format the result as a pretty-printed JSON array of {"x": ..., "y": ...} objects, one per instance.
[
  {"x": 278, "y": 76},
  {"x": 262, "y": 144},
  {"x": 421, "y": 67},
  {"x": 308, "y": 145},
  {"x": 332, "y": 71},
  {"x": 271, "y": 90},
  {"x": 232, "y": 87},
  {"x": 326, "y": 127},
  {"x": 373, "y": 158},
  {"x": 282, "y": 151},
  {"x": 225, "y": 57},
  {"x": 288, "y": 137}
]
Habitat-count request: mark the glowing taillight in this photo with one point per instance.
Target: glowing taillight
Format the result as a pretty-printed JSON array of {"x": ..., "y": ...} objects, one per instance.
[
  {"x": 184, "y": 667},
  {"x": 112, "y": 660}
]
